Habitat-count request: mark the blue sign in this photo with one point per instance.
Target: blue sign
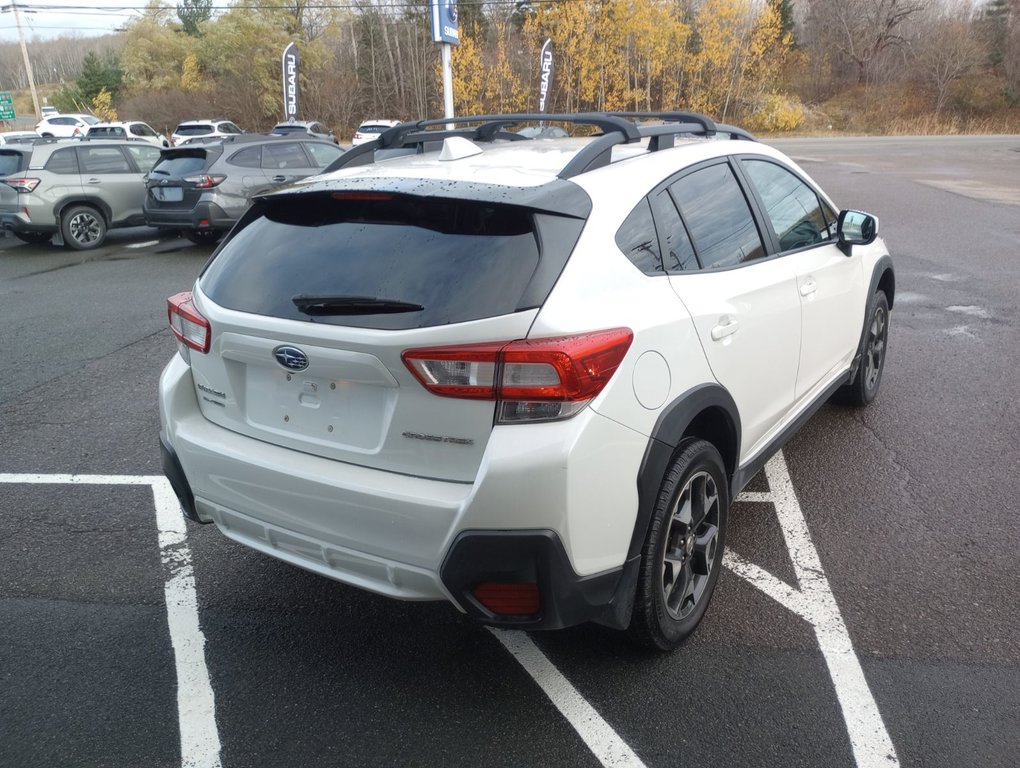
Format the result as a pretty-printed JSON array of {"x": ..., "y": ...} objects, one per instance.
[{"x": 444, "y": 22}]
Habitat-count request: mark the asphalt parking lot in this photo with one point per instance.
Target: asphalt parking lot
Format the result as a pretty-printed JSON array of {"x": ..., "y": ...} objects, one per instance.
[{"x": 867, "y": 615}]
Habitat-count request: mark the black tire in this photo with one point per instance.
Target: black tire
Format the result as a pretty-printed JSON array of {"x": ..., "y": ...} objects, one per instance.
[
  {"x": 864, "y": 386},
  {"x": 203, "y": 236},
  {"x": 683, "y": 551},
  {"x": 83, "y": 227},
  {"x": 34, "y": 238}
]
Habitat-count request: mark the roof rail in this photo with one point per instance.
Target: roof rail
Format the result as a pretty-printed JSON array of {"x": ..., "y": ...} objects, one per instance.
[{"x": 616, "y": 128}]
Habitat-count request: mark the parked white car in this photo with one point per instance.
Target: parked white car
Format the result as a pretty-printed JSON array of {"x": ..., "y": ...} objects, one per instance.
[
  {"x": 525, "y": 377},
  {"x": 370, "y": 129},
  {"x": 18, "y": 137},
  {"x": 134, "y": 130},
  {"x": 65, "y": 126},
  {"x": 204, "y": 129}
]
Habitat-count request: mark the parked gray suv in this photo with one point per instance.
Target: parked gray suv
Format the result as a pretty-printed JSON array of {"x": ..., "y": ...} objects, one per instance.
[
  {"x": 73, "y": 191},
  {"x": 203, "y": 188}
]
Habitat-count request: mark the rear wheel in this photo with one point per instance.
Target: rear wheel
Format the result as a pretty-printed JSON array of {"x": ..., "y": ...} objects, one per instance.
[
  {"x": 83, "y": 227},
  {"x": 203, "y": 236},
  {"x": 682, "y": 555},
  {"x": 34, "y": 238}
]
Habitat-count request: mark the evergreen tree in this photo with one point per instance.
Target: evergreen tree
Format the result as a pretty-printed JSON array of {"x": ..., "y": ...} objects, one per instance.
[{"x": 192, "y": 13}]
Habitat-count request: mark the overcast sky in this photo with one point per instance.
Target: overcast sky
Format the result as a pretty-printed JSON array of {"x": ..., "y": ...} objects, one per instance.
[{"x": 44, "y": 19}]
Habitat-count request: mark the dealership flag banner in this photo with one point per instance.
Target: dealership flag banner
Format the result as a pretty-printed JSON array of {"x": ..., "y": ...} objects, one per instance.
[
  {"x": 545, "y": 84},
  {"x": 291, "y": 68}
]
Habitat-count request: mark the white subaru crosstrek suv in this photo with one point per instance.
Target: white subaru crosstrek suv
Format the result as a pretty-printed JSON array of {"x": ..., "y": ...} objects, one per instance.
[{"x": 526, "y": 379}]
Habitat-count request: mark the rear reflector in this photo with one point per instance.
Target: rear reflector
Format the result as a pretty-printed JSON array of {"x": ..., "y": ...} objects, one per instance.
[
  {"x": 508, "y": 599},
  {"x": 532, "y": 379},
  {"x": 191, "y": 329}
]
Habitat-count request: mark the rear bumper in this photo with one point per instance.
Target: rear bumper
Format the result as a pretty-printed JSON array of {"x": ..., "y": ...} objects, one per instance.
[
  {"x": 205, "y": 215},
  {"x": 527, "y": 513},
  {"x": 17, "y": 222}
]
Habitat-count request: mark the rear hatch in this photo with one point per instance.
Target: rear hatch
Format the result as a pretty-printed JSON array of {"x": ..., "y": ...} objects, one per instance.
[
  {"x": 315, "y": 297},
  {"x": 178, "y": 180},
  {"x": 12, "y": 163}
]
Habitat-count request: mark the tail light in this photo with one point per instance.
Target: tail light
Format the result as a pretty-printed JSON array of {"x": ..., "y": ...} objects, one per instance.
[
  {"x": 509, "y": 598},
  {"x": 191, "y": 329},
  {"x": 531, "y": 379},
  {"x": 22, "y": 183},
  {"x": 204, "y": 180}
]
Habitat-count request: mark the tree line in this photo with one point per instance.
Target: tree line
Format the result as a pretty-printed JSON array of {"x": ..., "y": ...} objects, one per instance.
[{"x": 766, "y": 64}]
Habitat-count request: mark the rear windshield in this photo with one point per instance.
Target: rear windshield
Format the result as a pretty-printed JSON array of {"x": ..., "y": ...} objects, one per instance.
[
  {"x": 11, "y": 162},
  {"x": 459, "y": 260},
  {"x": 107, "y": 132},
  {"x": 290, "y": 129},
  {"x": 178, "y": 165},
  {"x": 193, "y": 130},
  {"x": 370, "y": 128}
]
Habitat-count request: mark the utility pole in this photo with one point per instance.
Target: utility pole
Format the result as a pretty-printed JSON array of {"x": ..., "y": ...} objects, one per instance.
[{"x": 28, "y": 64}]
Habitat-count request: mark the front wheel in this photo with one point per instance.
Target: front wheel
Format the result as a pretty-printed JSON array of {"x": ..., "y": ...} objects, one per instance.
[
  {"x": 863, "y": 388},
  {"x": 83, "y": 227},
  {"x": 682, "y": 555}
]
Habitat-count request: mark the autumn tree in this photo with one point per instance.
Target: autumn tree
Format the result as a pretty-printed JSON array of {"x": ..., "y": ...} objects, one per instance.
[
  {"x": 193, "y": 13},
  {"x": 947, "y": 51}
]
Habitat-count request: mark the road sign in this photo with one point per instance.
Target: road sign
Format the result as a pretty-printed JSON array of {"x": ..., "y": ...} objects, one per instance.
[
  {"x": 7, "y": 112},
  {"x": 5, "y": 98}
]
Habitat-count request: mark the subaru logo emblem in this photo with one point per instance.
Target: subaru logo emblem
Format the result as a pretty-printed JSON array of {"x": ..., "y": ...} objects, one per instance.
[{"x": 291, "y": 358}]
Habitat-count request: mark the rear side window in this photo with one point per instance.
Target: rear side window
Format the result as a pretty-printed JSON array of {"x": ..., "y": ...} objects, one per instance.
[
  {"x": 637, "y": 239},
  {"x": 718, "y": 217},
  {"x": 459, "y": 260},
  {"x": 323, "y": 154},
  {"x": 63, "y": 161},
  {"x": 247, "y": 158},
  {"x": 144, "y": 156}
]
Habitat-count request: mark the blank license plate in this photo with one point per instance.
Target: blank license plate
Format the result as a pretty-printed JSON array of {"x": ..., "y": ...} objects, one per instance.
[{"x": 168, "y": 194}]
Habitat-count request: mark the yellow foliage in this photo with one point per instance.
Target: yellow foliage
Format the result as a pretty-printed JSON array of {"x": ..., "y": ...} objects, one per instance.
[
  {"x": 191, "y": 73},
  {"x": 775, "y": 112},
  {"x": 102, "y": 106},
  {"x": 483, "y": 80}
]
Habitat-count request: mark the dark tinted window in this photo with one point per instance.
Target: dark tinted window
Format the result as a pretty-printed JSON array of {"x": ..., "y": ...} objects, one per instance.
[
  {"x": 285, "y": 155},
  {"x": 106, "y": 132},
  {"x": 717, "y": 216},
  {"x": 195, "y": 129},
  {"x": 290, "y": 129},
  {"x": 638, "y": 240},
  {"x": 460, "y": 260},
  {"x": 229, "y": 128},
  {"x": 177, "y": 165},
  {"x": 11, "y": 162},
  {"x": 63, "y": 161},
  {"x": 103, "y": 160},
  {"x": 679, "y": 251},
  {"x": 791, "y": 205},
  {"x": 247, "y": 158},
  {"x": 141, "y": 129}
]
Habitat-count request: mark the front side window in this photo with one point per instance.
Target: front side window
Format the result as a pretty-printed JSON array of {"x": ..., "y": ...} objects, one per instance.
[
  {"x": 637, "y": 239},
  {"x": 141, "y": 129},
  {"x": 718, "y": 217},
  {"x": 791, "y": 205}
]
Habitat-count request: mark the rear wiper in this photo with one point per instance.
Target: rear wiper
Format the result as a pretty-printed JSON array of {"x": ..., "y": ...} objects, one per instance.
[{"x": 352, "y": 305}]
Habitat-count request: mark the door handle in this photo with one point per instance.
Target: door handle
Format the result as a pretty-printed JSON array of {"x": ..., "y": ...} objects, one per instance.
[
  {"x": 727, "y": 327},
  {"x": 279, "y": 178},
  {"x": 95, "y": 181},
  {"x": 808, "y": 287}
]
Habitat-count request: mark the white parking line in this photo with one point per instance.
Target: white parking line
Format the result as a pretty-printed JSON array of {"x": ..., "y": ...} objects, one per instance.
[
  {"x": 196, "y": 708},
  {"x": 813, "y": 601},
  {"x": 596, "y": 733}
]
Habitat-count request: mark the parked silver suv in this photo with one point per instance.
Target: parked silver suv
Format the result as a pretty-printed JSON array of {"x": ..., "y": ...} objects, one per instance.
[{"x": 73, "y": 191}]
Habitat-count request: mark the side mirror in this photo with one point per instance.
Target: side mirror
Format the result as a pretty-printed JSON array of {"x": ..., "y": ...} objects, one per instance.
[{"x": 856, "y": 228}]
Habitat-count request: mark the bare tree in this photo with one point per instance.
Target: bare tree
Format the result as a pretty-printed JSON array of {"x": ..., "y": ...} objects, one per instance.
[
  {"x": 946, "y": 52},
  {"x": 862, "y": 31}
]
